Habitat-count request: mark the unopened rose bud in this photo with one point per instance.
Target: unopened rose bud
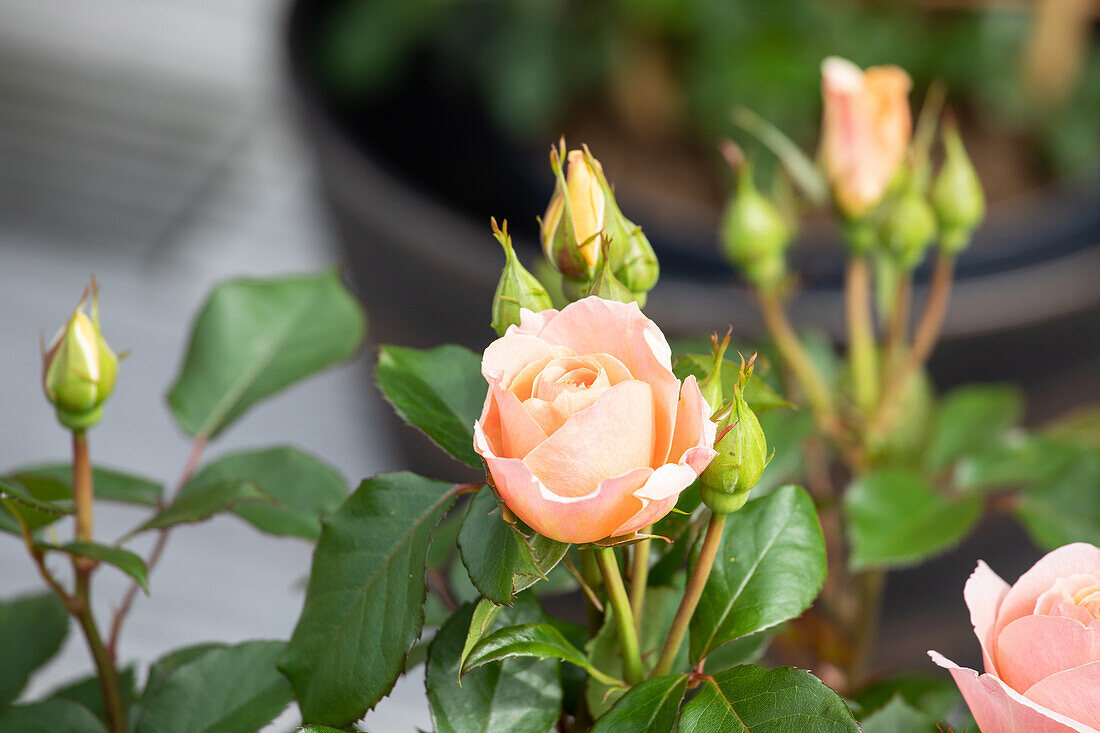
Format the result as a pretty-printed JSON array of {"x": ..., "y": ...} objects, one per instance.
[
  {"x": 605, "y": 285},
  {"x": 908, "y": 229},
  {"x": 572, "y": 227},
  {"x": 517, "y": 288},
  {"x": 865, "y": 131},
  {"x": 79, "y": 368},
  {"x": 631, "y": 255},
  {"x": 742, "y": 453},
  {"x": 754, "y": 234},
  {"x": 957, "y": 195}
]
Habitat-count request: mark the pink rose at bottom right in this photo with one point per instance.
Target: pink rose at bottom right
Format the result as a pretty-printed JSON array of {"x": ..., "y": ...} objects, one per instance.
[{"x": 1040, "y": 642}]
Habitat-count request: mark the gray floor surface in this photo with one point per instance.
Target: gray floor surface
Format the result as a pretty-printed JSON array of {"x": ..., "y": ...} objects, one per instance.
[{"x": 147, "y": 143}]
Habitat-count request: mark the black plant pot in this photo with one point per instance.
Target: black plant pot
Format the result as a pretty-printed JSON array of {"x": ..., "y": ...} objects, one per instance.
[{"x": 412, "y": 176}]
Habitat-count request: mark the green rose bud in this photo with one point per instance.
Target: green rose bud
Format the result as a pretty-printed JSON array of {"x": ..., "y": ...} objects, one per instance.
[
  {"x": 957, "y": 195},
  {"x": 754, "y": 234},
  {"x": 517, "y": 288},
  {"x": 742, "y": 453},
  {"x": 605, "y": 285},
  {"x": 909, "y": 228},
  {"x": 572, "y": 227},
  {"x": 79, "y": 368}
]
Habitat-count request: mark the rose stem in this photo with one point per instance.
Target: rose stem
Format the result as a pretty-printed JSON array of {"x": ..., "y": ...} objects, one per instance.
[
  {"x": 624, "y": 619},
  {"x": 639, "y": 577},
  {"x": 861, "y": 332},
  {"x": 790, "y": 348},
  {"x": 83, "y": 494},
  {"x": 692, "y": 594},
  {"x": 189, "y": 468},
  {"x": 898, "y": 329},
  {"x": 924, "y": 339}
]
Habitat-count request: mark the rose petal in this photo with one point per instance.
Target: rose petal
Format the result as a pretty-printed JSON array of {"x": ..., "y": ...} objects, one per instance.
[
  {"x": 1034, "y": 647},
  {"x": 693, "y": 424},
  {"x": 1069, "y": 596},
  {"x": 1022, "y": 599},
  {"x": 613, "y": 436},
  {"x": 1074, "y": 692},
  {"x": 510, "y": 354},
  {"x": 983, "y": 593},
  {"x": 998, "y": 708},
  {"x": 522, "y": 384},
  {"x": 519, "y": 432},
  {"x": 593, "y": 325},
  {"x": 657, "y": 496},
  {"x": 532, "y": 323}
]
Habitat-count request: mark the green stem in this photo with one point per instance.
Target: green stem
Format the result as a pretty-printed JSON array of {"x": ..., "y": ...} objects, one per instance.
[
  {"x": 624, "y": 618},
  {"x": 861, "y": 333},
  {"x": 639, "y": 577},
  {"x": 790, "y": 348},
  {"x": 692, "y": 593},
  {"x": 83, "y": 498}
]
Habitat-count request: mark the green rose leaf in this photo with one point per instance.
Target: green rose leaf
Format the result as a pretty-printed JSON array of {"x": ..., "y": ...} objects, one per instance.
[
  {"x": 1066, "y": 508},
  {"x": 895, "y": 518},
  {"x": 364, "y": 605},
  {"x": 31, "y": 631},
  {"x": 484, "y": 616},
  {"x": 50, "y": 716},
  {"x": 933, "y": 696},
  {"x": 970, "y": 419},
  {"x": 650, "y": 707},
  {"x": 516, "y": 696},
  {"x": 440, "y": 391},
  {"x": 303, "y": 487},
  {"x": 898, "y": 716},
  {"x": 1015, "y": 461},
  {"x": 500, "y": 559},
  {"x": 110, "y": 485},
  {"x": 254, "y": 338},
  {"x": 769, "y": 568},
  {"x": 85, "y": 691},
  {"x": 162, "y": 669},
  {"x": 753, "y": 700},
  {"x": 124, "y": 560},
  {"x": 232, "y": 690},
  {"x": 542, "y": 641},
  {"x": 786, "y": 431},
  {"x": 746, "y": 650},
  {"x": 203, "y": 503}
]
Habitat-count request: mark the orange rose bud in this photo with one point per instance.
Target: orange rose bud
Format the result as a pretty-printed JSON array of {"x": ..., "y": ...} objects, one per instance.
[
  {"x": 865, "y": 130},
  {"x": 572, "y": 228}
]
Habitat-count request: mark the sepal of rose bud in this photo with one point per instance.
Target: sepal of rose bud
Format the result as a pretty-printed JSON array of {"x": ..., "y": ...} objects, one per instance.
[
  {"x": 908, "y": 229},
  {"x": 517, "y": 288},
  {"x": 605, "y": 285},
  {"x": 631, "y": 255},
  {"x": 754, "y": 234},
  {"x": 711, "y": 386},
  {"x": 957, "y": 195},
  {"x": 572, "y": 227},
  {"x": 742, "y": 453},
  {"x": 79, "y": 368}
]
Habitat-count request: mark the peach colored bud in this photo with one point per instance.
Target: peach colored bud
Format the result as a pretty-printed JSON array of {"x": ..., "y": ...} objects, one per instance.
[
  {"x": 586, "y": 431},
  {"x": 572, "y": 228},
  {"x": 1040, "y": 642},
  {"x": 865, "y": 130}
]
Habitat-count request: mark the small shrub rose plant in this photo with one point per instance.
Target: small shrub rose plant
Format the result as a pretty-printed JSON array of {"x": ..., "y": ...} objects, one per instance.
[{"x": 661, "y": 536}]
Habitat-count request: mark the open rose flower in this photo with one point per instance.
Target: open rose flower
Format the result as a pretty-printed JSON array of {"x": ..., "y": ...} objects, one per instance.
[
  {"x": 586, "y": 431},
  {"x": 865, "y": 130},
  {"x": 1040, "y": 645}
]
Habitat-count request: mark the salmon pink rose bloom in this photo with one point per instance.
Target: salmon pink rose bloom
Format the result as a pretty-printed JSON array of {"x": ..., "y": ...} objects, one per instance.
[
  {"x": 1040, "y": 643},
  {"x": 586, "y": 431}
]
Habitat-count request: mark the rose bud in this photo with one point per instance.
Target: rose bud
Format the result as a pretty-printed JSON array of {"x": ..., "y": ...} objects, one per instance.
[
  {"x": 586, "y": 432},
  {"x": 605, "y": 285},
  {"x": 79, "y": 368},
  {"x": 517, "y": 288},
  {"x": 754, "y": 234},
  {"x": 957, "y": 195},
  {"x": 631, "y": 255},
  {"x": 865, "y": 130},
  {"x": 572, "y": 227},
  {"x": 1040, "y": 641},
  {"x": 909, "y": 228},
  {"x": 742, "y": 453}
]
